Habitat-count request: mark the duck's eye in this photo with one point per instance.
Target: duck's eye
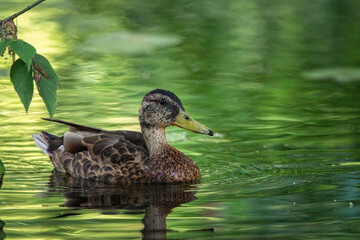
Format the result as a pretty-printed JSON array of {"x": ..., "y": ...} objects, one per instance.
[{"x": 162, "y": 101}]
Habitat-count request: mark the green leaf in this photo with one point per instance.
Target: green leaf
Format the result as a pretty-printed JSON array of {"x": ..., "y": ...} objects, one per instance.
[
  {"x": 3, "y": 45},
  {"x": 25, "y": 51},
  {"x": 22, "y": 79},
  {"x": 46, "y": 87},
  {"x": 2, "y": 171}
]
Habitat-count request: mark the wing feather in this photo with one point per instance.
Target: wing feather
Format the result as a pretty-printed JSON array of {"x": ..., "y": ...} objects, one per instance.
[{"x": 99, "y": 154}]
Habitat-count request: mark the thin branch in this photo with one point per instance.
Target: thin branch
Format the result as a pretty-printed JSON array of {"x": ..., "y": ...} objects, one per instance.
[{"x": 21, "y": 12}]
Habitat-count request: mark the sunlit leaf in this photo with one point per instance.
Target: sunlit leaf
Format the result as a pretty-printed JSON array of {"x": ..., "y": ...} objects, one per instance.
[
  {"x": 22, "y": 79},
  {"x": 47, "y": 83},
  {"x": 3, "y": 45},
  {"x": 24, "y": 50}
]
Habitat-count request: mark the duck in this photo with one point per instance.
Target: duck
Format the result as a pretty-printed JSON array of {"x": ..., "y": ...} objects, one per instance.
[{"x": 123, "y": 156}]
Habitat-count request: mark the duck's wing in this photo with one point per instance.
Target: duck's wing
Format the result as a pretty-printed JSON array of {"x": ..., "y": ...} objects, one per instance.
[
  {"x": 113, "y": 149},
  {"x": 77, "y": 132},
  {"x": 107, "y": 157},
  {"x": 96, "y": 153}
]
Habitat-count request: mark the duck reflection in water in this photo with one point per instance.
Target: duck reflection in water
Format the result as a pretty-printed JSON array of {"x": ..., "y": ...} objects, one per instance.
[{"x": 156, "y": 200}]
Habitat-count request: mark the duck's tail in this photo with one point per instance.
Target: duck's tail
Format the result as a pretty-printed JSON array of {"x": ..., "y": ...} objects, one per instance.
[
  {"x": 47, "y": 142},
  {"x": 53, "y": 146}
]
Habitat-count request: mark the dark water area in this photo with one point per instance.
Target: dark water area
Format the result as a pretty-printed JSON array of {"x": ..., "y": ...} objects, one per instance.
[{"x": 277, "y": 81}]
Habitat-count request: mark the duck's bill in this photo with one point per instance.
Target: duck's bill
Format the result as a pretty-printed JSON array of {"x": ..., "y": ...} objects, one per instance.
[{"x": 184, "y": 120}]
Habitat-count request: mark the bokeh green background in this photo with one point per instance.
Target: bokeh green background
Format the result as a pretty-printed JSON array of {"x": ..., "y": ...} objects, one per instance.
[{"x": 277, "y": 81}]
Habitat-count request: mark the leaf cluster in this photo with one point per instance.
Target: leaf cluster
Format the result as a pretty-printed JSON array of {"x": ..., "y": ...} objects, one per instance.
[{"x": 29, "y": 68}]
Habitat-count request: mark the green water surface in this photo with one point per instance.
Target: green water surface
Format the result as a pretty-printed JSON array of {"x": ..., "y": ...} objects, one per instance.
[{"x": 277, "y": 82}]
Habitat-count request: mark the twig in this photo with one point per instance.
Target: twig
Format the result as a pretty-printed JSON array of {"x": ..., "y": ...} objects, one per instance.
[{"x": 21, "y": 12}]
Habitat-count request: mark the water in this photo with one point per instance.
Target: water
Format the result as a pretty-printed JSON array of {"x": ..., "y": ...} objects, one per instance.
[{"x": 267, "y": 78}]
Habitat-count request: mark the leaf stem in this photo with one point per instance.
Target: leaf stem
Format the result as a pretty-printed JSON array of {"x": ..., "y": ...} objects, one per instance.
[{"x": 21, "y": 12}]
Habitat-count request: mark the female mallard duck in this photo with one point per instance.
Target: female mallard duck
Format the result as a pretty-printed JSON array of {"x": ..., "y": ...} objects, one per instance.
[{"x": 127, "y": 156}]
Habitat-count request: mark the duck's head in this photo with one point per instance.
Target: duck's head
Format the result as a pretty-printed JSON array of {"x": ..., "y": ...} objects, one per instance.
[{"x": 162, "y": 108}]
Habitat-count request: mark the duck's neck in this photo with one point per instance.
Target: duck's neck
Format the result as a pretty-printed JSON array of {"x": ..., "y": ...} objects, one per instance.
[{"x": 155, "y": 139}]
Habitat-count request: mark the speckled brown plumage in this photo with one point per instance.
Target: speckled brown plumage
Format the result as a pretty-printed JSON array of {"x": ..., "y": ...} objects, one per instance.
[
  {"x": 127, "y": 157},
  {"x": 171, "y": 165},
  {"x": 109, "y": 157}
]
